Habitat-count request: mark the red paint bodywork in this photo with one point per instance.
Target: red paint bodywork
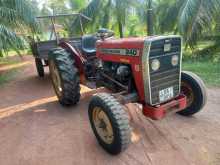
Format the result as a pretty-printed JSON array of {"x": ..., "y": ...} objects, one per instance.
[
  {"x": 153, "y": 112},
  {"x": 79, "y": 59},
  {"x": 159, "y": 112}
]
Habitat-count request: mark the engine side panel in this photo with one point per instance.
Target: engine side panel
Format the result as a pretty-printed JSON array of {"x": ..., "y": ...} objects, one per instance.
[{"x": 126, "y": 51}]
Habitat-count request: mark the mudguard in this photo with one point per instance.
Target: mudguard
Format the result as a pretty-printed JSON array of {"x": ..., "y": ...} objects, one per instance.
[{"x": 79, "y": 60}]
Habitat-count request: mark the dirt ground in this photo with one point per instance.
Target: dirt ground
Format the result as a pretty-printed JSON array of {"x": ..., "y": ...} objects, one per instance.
[{"x": 36, "y": 130}]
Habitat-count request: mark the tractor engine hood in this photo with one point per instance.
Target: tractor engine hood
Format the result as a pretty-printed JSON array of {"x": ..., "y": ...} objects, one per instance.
[
  {"x": 124, "y": 46},
  {"x": 132, "y": 46},
  {"x": 122, "y": 42}
]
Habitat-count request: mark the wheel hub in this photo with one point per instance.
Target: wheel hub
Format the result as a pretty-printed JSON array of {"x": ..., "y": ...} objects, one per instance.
[
  {"x": 188, "y": 92},
  {"x": 103, "y": 125},
  {"x": 56, "y": 79}
]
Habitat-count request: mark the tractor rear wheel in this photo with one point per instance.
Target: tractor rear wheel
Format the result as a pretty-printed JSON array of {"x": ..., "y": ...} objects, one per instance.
[
  {"x": 65, "y": 77},
  {"x": 109, "y": 123},
  {"x": 39, "y": 67},
  {"x": 194, "y": 90}
]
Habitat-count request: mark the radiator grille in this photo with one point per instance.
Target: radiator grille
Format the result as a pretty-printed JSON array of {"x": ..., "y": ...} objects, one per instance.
[{"x": 168, "y": 75}]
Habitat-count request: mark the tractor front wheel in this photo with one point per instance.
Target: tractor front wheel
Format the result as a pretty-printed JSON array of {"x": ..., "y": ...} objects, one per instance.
[
  {"x": 65, "y": 77},
  {"x": 109, "y": 123},
  {"x": 194, "y": 90}
]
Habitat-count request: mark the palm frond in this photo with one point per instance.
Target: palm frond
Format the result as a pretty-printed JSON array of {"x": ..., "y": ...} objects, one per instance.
[
  {"x": 15, "y": 16},
  {"x": 92, "y": 11},
  {"x": 167, "y": 12},
  {"x": 107, "y": 13},
  {"x": 196, "y": 15},
  {"x": 19, "y": 11},
  {"x": 9, "y": 40},
  {"x": 121, "y": 11},
  {"x": 77, "y": 4},
  {"x": 7, "y": 14}
]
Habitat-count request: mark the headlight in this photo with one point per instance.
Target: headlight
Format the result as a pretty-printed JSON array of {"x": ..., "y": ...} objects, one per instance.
[
  {"x": 175, "y": 60},
  {"x": 155, "y": 64}
]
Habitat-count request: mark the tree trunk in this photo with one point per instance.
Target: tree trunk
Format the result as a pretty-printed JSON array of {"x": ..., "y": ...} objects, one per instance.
[
  {"x": 121, "y": 31},
  {"x": 106, "y": 18},
  {"x": 150, "y": 26}
]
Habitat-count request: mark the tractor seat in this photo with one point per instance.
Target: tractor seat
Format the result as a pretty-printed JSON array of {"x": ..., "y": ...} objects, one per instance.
[{"x": 88, "y": 44}]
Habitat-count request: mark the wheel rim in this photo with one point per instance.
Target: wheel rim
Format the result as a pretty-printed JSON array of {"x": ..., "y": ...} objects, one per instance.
[
  {"x": 186, "y": 89},
  {"x": 103, "y": 125},
  {"x": 56, "y": 78}
]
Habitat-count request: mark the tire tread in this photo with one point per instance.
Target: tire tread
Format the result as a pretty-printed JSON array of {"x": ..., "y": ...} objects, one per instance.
[
  {"x": 69, "y": 76},
  {"x": 120, "y": 119}
]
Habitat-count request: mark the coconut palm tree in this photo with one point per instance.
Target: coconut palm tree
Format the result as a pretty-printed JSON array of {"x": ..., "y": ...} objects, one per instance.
[
  {"x": 77, "y": 4},
  {"x": 92, "y": 10},
  {"x": 189, "y": 17},
  {"x": 150, "y": 24},
  {"x": 15, "y": 15},
  {"x": 103, "y": 12},
  {"x": 213, "y": 50}
]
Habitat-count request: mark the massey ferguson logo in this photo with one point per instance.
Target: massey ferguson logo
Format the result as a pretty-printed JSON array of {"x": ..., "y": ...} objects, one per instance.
[
  {"x": 123, "y": 52},
  {"x": 167, "y": 47}
]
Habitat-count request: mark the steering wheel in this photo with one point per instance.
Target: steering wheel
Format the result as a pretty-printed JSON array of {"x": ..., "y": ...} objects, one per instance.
[{"x": 105, "y": 33}]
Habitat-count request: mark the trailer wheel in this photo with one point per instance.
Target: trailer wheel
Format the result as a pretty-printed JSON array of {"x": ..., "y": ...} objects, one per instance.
[
  {"x": 109, "y": 123},
  {"x": 65, "y": 77},
  {"x": 193, "y": 87},
  {"x": 39, "y": 67}
]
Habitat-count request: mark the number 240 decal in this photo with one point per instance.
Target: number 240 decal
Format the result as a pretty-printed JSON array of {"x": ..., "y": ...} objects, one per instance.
[{"x": 131, "y": 52}]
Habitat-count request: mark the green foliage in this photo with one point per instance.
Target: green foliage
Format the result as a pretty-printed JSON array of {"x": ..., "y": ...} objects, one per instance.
[
  {"x": 6, "y": 77},
  {"x": 77, "y": 5},
  {"x": 8, "y": 40},
  {"x": 191, "y": 18},
  {"x": 107, "y": 15},
  {"x": 208, "y": 71},
  {"x": 104, "y": 13},
  {"x": 90, "y": 11},
  {"x": 16, "y": 16},
  {"x": 195, "y": 20},
  {"x": 195, "y": 16}
]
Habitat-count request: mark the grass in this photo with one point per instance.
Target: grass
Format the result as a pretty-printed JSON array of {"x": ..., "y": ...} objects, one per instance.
[
  {"x": 12, "y": 53},
  {"x": 207, "y": 70},
  {"x": 7, "y": 76},
  {"x": 207, "y": 66},
  {"x": 6, "y": 61}
]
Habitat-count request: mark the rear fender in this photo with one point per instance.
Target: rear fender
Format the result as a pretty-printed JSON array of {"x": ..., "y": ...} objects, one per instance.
[{"x": 79, "y": 60}]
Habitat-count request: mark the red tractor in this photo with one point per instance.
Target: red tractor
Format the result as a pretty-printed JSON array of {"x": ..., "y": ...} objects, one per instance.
[{"x": 144, "y": 70}]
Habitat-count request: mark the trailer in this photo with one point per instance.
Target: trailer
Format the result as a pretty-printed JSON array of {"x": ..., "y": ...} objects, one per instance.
[{"x": 40, "y": 49}]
